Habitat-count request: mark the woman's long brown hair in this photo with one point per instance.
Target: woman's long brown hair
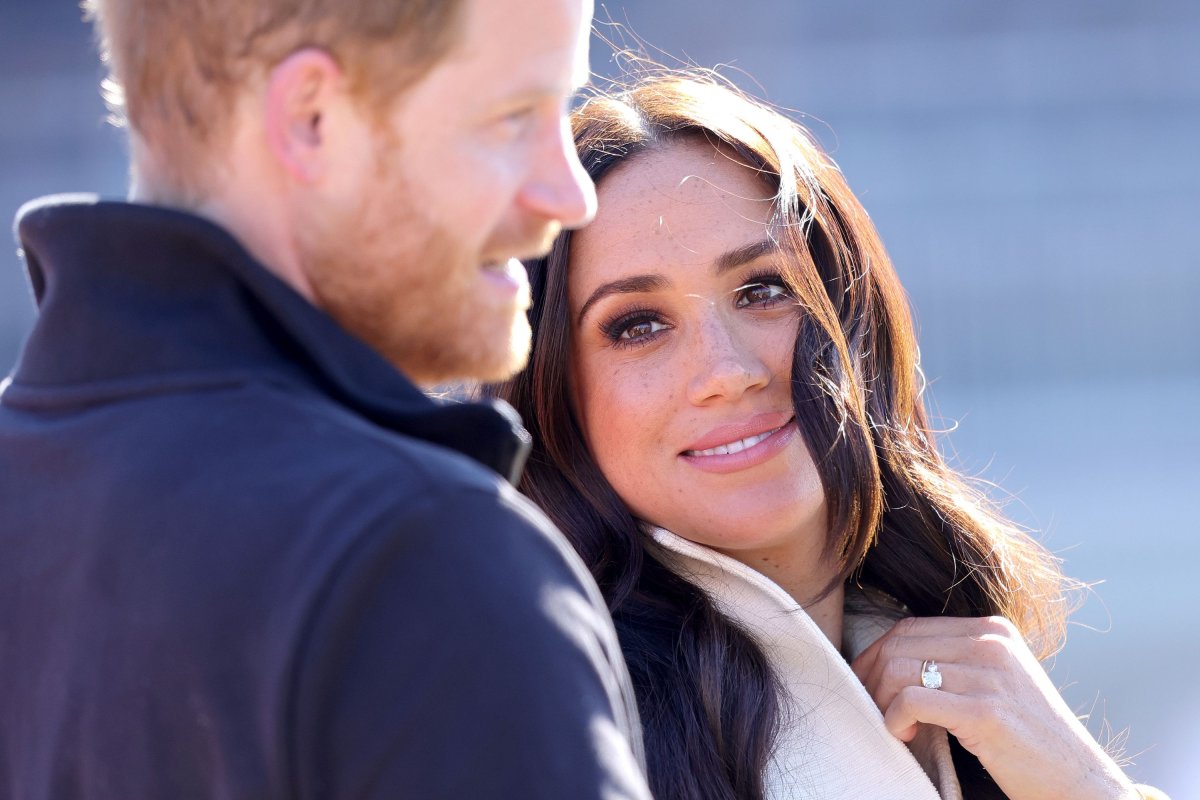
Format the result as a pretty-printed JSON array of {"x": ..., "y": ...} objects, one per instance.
[{"x": 900, "y": 519}]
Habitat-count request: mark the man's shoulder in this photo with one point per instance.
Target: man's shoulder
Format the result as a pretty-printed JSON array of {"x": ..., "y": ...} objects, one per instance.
[
  {"x": 393, "y": 484},
  {"x": 471, "y": 618},
  {"x": 317, "y": 442},
  {"x": 275, "y": 468}
]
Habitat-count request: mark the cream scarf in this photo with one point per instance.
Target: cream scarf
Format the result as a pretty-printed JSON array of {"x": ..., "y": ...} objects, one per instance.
[{"x": 832, "y": 742}]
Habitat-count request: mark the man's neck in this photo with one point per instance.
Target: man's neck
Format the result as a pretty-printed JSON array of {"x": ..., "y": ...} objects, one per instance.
[
  {"x": 263, "y": 233},
  {"x": 242, "y": 197}
]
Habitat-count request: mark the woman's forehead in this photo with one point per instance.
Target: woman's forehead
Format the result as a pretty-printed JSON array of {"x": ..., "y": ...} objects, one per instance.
[{"x": 688, "y": 201}]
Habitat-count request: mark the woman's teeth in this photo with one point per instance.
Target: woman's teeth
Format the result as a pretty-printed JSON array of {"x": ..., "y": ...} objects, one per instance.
[{"x": 732, "y": 447}]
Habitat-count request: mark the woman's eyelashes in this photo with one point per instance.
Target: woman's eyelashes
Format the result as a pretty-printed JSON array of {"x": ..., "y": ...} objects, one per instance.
[
  {"x": 633, "y": 327},
  {"x": 763, "y": 291},
  {"x": 642, "y": 324}
]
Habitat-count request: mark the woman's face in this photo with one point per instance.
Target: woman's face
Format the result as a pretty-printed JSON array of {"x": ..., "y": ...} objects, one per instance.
[{"x": 681, "y": 353}]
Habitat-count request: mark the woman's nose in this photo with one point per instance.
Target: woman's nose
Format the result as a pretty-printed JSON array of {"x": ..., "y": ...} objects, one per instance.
[{"x": 726, "y": 362}]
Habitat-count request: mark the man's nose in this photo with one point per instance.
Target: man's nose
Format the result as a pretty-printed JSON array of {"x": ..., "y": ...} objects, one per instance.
[{"x": 559, "y": 189}]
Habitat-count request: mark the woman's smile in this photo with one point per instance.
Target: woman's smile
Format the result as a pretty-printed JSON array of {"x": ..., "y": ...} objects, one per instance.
[
  {"x": 741, "y": 453},
  {"x": 682, "y": 354}
]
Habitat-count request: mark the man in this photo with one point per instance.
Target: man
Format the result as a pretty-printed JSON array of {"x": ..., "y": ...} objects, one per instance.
[{"x": 244, "y": 556}]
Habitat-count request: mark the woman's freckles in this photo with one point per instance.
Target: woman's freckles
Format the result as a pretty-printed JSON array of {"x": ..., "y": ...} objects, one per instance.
[{"x": 684, "y": 352}]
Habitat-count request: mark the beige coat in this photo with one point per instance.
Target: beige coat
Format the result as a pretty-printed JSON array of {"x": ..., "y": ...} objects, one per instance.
[{"x": 832, "y": 742}]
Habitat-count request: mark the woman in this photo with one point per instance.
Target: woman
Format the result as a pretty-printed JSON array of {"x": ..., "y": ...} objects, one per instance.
[{"x": 726, "y": 410}]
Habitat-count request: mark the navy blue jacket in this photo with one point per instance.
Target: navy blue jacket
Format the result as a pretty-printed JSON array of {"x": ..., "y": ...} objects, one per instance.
[{"x": 243, "y": 557}]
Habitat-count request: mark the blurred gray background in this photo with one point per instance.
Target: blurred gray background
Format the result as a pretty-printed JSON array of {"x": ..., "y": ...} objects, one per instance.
[{"x": 1034, "y": 169}]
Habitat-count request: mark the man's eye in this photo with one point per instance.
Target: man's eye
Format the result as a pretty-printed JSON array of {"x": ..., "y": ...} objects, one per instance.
[{"x": 517, "y": 120}]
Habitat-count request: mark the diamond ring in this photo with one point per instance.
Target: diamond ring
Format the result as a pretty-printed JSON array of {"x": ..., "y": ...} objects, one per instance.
[{"x": 931, "y": 676}]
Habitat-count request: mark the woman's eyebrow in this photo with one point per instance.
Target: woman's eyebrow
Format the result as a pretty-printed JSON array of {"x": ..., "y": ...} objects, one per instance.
[
  {"x": 632, "y": 284},
  {"x": 731, "y": 259}
]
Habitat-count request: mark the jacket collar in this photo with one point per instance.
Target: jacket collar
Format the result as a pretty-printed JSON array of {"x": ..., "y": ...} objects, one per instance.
[
  {"x": 135, "y": 298},
  {"x": 844, "y": 749}
]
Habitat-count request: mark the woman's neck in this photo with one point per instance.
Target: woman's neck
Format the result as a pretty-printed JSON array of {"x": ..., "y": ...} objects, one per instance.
[
  {"x": 828, "y": 613},
  {"x": 804, "y": 576}
]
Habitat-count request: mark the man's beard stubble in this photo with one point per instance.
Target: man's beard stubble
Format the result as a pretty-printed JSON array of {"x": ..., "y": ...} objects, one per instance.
[{"x": 392, "y": 276}]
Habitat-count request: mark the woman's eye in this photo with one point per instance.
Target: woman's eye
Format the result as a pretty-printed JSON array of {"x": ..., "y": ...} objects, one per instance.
[
  {"x": 764, "y": 293},
  {"x": 633, "y": 329},
  {"x": 641, "y": 328}
]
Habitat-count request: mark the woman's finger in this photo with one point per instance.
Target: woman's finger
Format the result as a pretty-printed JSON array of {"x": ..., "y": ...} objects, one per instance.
[
  {"x": 1030, "y": 749},
  {"x": 995, "y": 698},
  {"x": 913, "y": 705},
  {"x": 988, "y": 645},
  {"x": 964, "y": 679},
  {"x": 954, "y": 626},
  {"x": 895, "y": 659}
]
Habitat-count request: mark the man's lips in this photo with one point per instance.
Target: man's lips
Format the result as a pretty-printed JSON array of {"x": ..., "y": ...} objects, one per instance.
[
  {"x": 510, "y": 277},
  {"x": 533, "y": 242},
  {"x": 504, "y": 266}
]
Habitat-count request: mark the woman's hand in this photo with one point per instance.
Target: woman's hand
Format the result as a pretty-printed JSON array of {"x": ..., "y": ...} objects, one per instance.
[{"x": 996, "y": 699}]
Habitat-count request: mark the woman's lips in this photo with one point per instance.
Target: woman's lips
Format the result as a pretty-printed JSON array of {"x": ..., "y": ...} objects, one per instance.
[{"x": 733, "y": 448}]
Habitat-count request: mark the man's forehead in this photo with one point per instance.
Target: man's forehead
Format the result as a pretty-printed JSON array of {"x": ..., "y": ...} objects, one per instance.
[
  {"x": 517, "y": 30},
  {"x": 582, "y": 47}
]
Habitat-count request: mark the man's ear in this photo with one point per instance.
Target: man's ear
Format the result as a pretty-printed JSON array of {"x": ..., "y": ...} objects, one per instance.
[{"x": 301, "y": 90}]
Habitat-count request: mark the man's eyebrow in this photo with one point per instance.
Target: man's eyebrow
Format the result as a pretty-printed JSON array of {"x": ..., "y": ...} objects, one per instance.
[
  {"x": 734, "y": 258},
  {"x": 630, "y": 285}
]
